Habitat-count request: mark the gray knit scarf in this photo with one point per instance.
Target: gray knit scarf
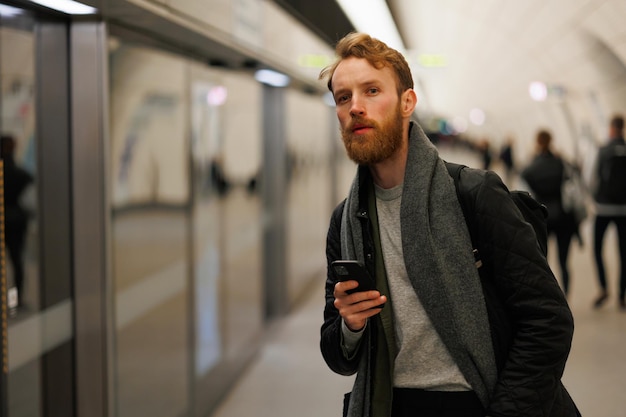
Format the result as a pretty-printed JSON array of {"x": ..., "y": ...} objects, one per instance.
[{"x": 440, "y": 265}]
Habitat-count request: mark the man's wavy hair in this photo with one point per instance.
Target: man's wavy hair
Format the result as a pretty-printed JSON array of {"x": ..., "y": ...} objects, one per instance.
[{"x": 377, "y": 53}]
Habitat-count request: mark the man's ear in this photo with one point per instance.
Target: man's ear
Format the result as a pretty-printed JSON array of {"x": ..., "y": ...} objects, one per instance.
[{"x": 408, "y": 101}]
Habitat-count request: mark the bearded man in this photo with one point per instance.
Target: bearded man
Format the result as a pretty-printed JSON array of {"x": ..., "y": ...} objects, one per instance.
[{"x": 432, "y": 339}]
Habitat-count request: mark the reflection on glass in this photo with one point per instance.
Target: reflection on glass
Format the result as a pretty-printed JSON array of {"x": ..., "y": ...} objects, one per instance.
[
  {"x": 17, "y": 128},
  {"x": 149, "y": 221},
  {"x": 308, "y": 155},
  {"x": 208, "y": 176},
  {"x": 17, "y": 147},
  {"x": 185, "y": 230},
  {"x": 17, "y": 180},
  {"x": 225, "y": 228}
]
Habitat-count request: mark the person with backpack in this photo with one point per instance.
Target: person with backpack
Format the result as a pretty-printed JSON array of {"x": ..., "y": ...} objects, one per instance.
[
  {"x": 433, "y": 338},
  {"x": 544, "y": 176},
  {"x": 609, "y": 193}
]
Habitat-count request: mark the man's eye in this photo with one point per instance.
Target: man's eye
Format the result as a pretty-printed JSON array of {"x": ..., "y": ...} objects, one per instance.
[
  {"x": 373, "y": 90},
  {"x": 342, "y": 99}
]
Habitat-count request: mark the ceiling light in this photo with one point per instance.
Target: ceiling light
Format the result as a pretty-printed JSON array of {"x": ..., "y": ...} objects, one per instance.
[
  {"x": 374, "y": 18},
  {"x": 67, "y": 6},
  {"x": 272, "y": 78},
  {"x": 477, "y": 117},
  {"x": 217, "y": 95},
  {"x": 538, "y": 91}
]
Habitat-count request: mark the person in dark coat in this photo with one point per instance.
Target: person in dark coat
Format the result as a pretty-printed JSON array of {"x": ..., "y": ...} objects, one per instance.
[
  {"x": 16, "y": 180},
  {"x": 484, "y": 147},
  {"x": 506, "y": 156},
  {"x": 609, "y": 194},
  {"x": 433, "y": 339},
  {"x": 544, "y": 176}
]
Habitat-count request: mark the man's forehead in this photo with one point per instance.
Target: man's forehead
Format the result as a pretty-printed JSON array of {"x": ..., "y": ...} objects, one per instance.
[
  {"x": 359, "y": 69},
  {"x": 352, "y": 63}
]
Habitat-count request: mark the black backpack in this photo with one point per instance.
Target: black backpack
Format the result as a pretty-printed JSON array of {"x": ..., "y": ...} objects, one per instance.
[
  {"x": 613, "y": 176},
  {"x": 533, "y": 211}
]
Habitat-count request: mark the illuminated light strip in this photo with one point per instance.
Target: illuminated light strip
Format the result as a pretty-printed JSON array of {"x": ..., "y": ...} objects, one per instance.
[
  {"x": 272, "y": 78},
  {"x": 8, "y": 11},
  {"x": 433, "y": 61},
  {"x": 314, "y": 61},
  {"x": 67, "y": 6},
  {"x": 374, "y": 18}
]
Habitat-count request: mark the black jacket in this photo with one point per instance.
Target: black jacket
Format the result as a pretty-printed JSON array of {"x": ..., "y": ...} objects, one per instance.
[
  {"x": 531, "y": 324},
  {"x": 602, "y": 194}
]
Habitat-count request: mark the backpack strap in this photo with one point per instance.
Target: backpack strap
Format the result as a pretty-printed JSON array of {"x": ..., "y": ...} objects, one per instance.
[{"x": 455, "y": 172}]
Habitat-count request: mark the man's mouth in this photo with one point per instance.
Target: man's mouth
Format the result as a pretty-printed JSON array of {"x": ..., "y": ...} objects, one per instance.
[{"x": 359, "y": 128}]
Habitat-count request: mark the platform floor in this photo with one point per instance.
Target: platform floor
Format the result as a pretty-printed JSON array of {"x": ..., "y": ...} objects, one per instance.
[{"x": 289, "y": 377}]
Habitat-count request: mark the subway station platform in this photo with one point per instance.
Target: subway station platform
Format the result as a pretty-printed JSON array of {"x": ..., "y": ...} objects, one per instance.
[{"x": 289, "y": 377}]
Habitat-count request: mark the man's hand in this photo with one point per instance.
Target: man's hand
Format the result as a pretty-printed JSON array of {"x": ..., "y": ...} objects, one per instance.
[{"x": 357, "y": 307}]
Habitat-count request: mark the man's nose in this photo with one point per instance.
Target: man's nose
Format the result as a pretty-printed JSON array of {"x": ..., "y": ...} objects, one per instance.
[{"x": 356, "y": 106}]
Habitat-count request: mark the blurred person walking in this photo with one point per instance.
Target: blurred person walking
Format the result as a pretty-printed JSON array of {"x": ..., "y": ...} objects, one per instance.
[
  {"x": 484, "y": 147},
  {"x": 544, "y": 176},
  {"x": 608, "y": 184},
  {"x": 506, "y": 157},
  {"x": 16, "y": 180},
  {"x": 433, "y": 338}
]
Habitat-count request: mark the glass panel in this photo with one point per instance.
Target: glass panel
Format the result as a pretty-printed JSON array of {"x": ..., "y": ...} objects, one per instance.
[
  {"x": 150, "y": 230},
  {"x": 242, "y": 223},
  {"x": 17, "y": 127},
  {"x": 226, "y": 228},
  {"x": 17, "y": 72},
  {"x": 308, "y": 197},
  {"x": 209, "y": 184}
]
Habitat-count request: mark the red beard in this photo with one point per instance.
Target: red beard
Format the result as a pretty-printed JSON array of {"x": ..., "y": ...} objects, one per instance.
[{"x": 378, "y": 144}]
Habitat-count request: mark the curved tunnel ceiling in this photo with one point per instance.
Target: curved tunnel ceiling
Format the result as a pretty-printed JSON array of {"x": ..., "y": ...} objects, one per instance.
[
  {"x": 492, "y": 50},
  {"x": 485, "y": 53}
]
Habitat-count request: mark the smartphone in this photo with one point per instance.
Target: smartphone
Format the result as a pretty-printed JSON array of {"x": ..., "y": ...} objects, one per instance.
[{"x": 353, "y": 270}]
